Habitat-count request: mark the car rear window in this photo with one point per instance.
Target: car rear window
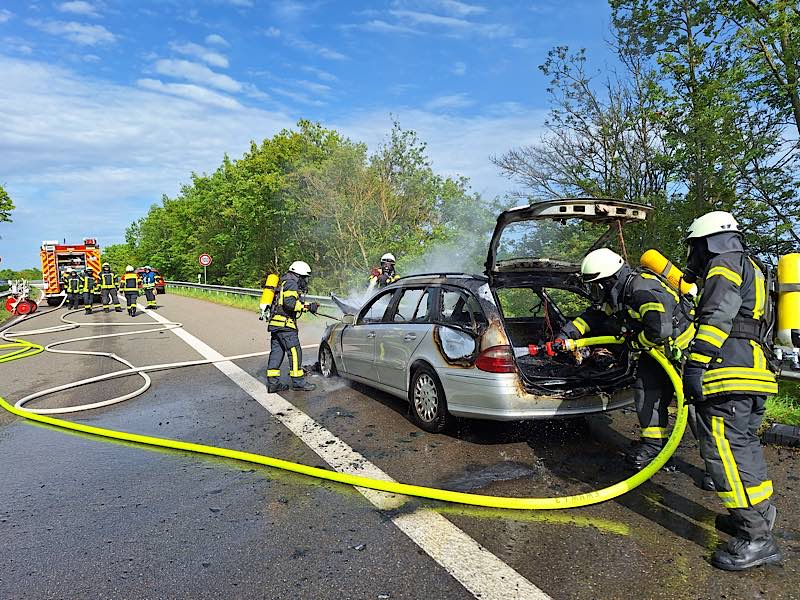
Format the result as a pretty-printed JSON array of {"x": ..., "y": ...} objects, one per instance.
[{"x": 567, "y": 241}]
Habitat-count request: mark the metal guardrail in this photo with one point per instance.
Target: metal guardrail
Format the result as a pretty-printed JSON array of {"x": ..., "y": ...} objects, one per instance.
[{"x": 241, "y": 291}]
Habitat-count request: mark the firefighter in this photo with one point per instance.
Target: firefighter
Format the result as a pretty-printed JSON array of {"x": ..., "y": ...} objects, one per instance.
[
  {"x": 386, "y": 274},
  {"x": 649, "y": 313},
  {"x": 728, "y": 379},
  {"x": 108, "y": 289},
  {"x": 89, "y": 286},
  {"x": 149, "y": 287},
  {"x": 129, "y": 285},
  {"x": 73, "y": 289},
  {"x": 288, "y": 307}
]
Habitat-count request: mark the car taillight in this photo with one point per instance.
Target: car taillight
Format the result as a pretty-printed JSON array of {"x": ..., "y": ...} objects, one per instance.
[{"x": 497, "y": 359}]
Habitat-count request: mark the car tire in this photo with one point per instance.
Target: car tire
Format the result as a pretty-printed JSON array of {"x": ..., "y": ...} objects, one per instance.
[
  {"x": 427, "y": 402},
  {"x": 327, "y": 365}
]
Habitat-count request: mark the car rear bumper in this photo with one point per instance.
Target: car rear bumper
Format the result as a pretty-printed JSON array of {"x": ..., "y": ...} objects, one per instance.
[{"x": 501, "y": 397}]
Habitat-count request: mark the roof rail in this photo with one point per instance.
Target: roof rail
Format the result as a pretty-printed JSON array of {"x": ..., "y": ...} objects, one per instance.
[{"x": 443, "y": 274}]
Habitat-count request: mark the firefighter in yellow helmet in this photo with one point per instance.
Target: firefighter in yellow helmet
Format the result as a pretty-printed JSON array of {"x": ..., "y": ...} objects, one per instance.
[
  {"x": 649, "y": 313},
  {"x": 288, "y": 307},
  {"x": 129, "y": 285},
  {"x": 728, "y": 379}
]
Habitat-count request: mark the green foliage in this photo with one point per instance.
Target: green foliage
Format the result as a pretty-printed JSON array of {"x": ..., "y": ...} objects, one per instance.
[
  {"x": 32, "y": 274},
  {"x": 785, "y": 406},
  {"x": 6, "y": 206}
]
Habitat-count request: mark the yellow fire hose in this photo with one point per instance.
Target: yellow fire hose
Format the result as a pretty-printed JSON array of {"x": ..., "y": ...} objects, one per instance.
[{"x": 23, "y": 349}]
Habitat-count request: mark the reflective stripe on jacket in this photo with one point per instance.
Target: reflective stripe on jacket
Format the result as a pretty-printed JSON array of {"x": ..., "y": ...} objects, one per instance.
[
  {"x": 129, "y": 282},
  {"x": 289, "y": 305},
  {"x": 734, "y": 290},
  {"x": 89, "y": 284},
  {"x": 74, "y": 284},
  {"x": 107, "y": 280}
]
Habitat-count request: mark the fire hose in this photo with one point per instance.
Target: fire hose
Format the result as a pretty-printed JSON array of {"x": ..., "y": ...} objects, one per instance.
[{"x": 22, "y": 349}]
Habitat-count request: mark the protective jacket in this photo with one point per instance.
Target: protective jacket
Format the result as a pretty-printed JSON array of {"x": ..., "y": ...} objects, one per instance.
[
  {"x": 288, "y": 304},
  {"x": 384, "y": 278},
  {"x": 90, "y": 284},
  {"x": 73, "y": 284},
  {"x": 129, "y": 282},
  {"x": 640, "y": 302},
  {"x": 107, "y": 280},
  {"x": 148, "y": 280},
  {"x": 730, "y": 321}
]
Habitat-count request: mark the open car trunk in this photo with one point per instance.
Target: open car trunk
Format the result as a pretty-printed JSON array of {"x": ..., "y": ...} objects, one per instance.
[{"x": 533, "y": 270}]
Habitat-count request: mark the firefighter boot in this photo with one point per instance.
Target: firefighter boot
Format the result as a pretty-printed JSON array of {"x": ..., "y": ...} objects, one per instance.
[
  {"x": 88, "y": 310},
  {"x": 644, "y": 452},
  {"x": 275, "y": 386},
  {"x": 106, "y": 309},
  {"x": 303, "y": 386},
  {"x": 117, "y": 309},
  {"x": 741, "y": 554},
  {"x": 727, "y": 523},
  {"x": 707, "y": 483}
]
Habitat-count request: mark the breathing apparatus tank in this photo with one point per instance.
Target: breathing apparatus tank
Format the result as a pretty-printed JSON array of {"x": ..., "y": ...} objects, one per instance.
[
  {"x": 268, "y": 295},
  {"x": 658, "y": 263},
  {"x": 788, "y": 298}
]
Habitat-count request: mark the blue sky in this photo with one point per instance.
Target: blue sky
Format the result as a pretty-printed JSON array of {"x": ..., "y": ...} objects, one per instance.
[{"x": 107, "y": 105}]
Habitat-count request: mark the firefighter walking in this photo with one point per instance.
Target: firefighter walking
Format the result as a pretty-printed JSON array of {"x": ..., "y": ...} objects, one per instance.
[
  {"x": 89, "y": 287},
  {"x": 284, "y": 341},
  {"x": 149, "y": 286},
  {"x": 108, "y": 289},
  {"x": 129, "y": 285},
  {"x": 649, "y": 313},
  {"x": 73, "y": 289},
  {"x": 728, "y": 379}
]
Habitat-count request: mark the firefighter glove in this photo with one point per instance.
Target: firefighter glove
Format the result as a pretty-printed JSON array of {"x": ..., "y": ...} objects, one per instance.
[
  {"x": 313, "y": 307},
  {"x": 693, "y": 383}
]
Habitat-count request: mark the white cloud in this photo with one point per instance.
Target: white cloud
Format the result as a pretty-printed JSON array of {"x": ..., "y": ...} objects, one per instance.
[
  {"x": 215, "y": 59},
  {"x": 272, "y": 32},
  {"x": 459, "y": 68},
  {"x": 78, "y": 7},
  {"x": 308, "y": 46},
  {"x": 197, "y": 73},
  {"x": 449, "y": 102},
  {"x": 191, "y": 91},
  {"x": 313, "y": 87},
  {"x": 380, "y": 26},
  {"x": 320, "y": 73},
  {"x": 17, "y": 45},
  {"x": 80, "y": 33},
  {"x": 461, "y": 9},
  {"x": 454, "y": 25},
  {"x": 216, "y": 39},
  {"x": 241, "y": 3},
  {"x": 299, "y": 97},
  {"x": 5, "y": 15},
  {"x": 118, "y": 151}
]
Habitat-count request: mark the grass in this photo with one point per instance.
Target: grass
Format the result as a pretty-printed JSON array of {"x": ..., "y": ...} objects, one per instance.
[
  {"x": 236, "y": 300},
  {"x": 785, "y": 406}
]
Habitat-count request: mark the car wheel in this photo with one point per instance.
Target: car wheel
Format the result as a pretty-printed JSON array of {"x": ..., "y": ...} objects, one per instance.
[
  {"x": 327, "y": 366},
  {"x": 427, "y": 401}
]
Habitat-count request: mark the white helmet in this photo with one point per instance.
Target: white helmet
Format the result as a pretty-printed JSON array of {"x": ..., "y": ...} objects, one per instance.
[
  {"x": 300, "y": 268},
  {"x": 388, "y": 257},
  {"x": 600, "y": 264},
  {"x": 148, "y": 268},
  {"x": 717, "y": 221},
  {"x": 129, "y": 269}
]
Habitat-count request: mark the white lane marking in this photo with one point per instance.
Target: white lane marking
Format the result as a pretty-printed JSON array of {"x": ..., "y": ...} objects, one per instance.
[{"x": 478, "y": 570}]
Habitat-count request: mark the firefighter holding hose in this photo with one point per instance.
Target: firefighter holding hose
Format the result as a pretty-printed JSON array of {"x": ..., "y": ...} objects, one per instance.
[
  {"x": 728, "y": 379},
  {"x": 648, "y": 313},
  {"x": 287, "y": 306},
  {"x": 386, "y": 274}
]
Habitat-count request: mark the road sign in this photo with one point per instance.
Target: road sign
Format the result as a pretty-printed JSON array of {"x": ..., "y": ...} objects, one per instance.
[{"x": 205, "y": 260}]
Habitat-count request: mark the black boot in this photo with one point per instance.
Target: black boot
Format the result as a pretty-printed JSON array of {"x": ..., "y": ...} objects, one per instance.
[
  {"x": 643, "y": 452},
  {"x": 274, "y": 388},
  {"x": 727, "y": 523},
  {"x": 105, "y": 310},
  {"x": 707, "y": 483},
  {"x": 741, "y": 554},
  {"x": 88, "y": 311},
  {"x": 117, "y": 309},
  {"x": 304, "y": 386}
]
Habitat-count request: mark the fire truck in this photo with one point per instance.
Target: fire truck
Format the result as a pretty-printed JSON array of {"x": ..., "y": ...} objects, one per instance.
[{"x": 57, "y": 258}]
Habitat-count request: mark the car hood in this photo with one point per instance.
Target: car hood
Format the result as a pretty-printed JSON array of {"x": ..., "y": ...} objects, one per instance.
[{"x": 614, "y": 213}]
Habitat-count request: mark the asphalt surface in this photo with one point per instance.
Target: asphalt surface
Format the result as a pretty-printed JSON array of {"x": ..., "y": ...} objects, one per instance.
[{"x": 83, "y": 517}]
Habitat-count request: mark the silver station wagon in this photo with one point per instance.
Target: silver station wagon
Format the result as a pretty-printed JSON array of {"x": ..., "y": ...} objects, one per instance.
[{"x": 457, "y": 344}]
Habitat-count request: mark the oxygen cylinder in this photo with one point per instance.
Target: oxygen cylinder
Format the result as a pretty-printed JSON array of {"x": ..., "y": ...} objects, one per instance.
[
  {"x": 268, "y": 295},
  {"x": 788, "y": 297},
  {"x": 658, "y": 263}
]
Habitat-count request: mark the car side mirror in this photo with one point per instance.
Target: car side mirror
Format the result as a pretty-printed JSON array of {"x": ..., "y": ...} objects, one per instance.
[{"x": 349, "y": 319}]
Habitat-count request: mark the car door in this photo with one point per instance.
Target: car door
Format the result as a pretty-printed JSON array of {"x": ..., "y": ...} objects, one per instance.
[
  {"x": 358, "y": 340},
  {"x": 407, "y": 325}
]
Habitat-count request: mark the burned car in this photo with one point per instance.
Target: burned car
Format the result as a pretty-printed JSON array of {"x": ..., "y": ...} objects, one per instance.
[{"x": 457, "y": 344}]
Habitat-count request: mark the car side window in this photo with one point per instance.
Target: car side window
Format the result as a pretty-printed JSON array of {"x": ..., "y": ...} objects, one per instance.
[
  {"x": 407, "y": 308},
  {"x": 375, "y": 312},
  {"x": 423, "y": 312},
  {"x": 461, "y": 309}
]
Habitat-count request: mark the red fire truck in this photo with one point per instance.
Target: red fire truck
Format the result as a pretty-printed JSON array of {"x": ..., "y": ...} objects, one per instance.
[{"x": 57, "y": 258}]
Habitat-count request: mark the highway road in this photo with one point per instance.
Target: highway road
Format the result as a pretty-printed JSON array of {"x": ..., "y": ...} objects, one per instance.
[{"x": 87, "y": 517}]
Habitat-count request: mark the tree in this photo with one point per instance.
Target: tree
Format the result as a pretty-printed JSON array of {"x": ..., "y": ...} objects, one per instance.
[{"x": 6, "y": 206}]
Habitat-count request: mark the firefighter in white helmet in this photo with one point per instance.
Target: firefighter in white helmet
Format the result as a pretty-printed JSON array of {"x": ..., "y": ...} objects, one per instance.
[
  {"x": 385, "y": 274},
  {"x": 649, "y": 313},
  {"x": 289, "y": 305},
  {"x": 129, "y": 285},
  {"x": 728, "y": 378}
]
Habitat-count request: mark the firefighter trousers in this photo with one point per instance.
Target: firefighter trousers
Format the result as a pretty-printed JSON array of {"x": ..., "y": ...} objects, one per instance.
[
  {"x": 130, "y": 298},
  {"x": 150, "y": 294},
  {"x": 727, "y": 427},
  {"x": 652, "y": 394},
  {"x": 108, "y": 295},
  {"x": 285, "y": 342},
  {"x": 88, "y": 300},
  {"x": 73, "y": 300}
]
